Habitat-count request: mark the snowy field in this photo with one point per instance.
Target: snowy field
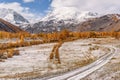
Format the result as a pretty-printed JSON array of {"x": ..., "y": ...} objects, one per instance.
[
  {"x": 8, "y": 40},
  {"x": 13, "y": 40},
  {"x": 110, "y": 71},
  {"x": 33, "y": 60}
]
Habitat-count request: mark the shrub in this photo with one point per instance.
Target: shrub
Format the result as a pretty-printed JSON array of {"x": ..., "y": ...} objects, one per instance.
[
  {"x": 16, "y": 52},
  {"x": 10, "y": 53},
  {"x": 54, "y": 55},
  {"x": 4, "y": 56}
]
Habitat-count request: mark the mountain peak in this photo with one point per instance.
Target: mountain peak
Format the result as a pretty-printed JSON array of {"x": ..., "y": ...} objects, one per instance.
[
  {"x": 12, "y": 16},
  {"x": 68, "y": 14}
]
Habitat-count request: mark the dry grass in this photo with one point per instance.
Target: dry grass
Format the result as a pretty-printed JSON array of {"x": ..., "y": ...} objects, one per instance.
[
  {"x": 54, "y": 55},
  {"x": 4, "y": 54},
  {"x": 16, "y": 52},
  {"x": 10, "y": 54},
  {"x": 94, "y": 48}
]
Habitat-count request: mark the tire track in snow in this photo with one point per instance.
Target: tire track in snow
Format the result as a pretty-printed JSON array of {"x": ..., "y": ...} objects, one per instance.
[{"x": 86, "y": 70}]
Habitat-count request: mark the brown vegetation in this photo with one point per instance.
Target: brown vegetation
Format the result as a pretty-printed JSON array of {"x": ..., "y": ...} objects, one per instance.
[
  {"x": 62, "y": 36},
  {"x": 51, "y": 37},
  {"x": 9, "y": 53},
  {"x": 54, "y": 55}
]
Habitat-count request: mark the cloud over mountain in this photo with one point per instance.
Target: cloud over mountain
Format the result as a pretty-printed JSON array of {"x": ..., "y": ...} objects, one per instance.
[
  {"x": 25, "y": 11},
  {"x": 101, "y": 6}
]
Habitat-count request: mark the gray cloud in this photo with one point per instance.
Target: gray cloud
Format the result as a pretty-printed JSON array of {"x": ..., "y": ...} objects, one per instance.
[
  {"x": 100, "y": 6},
  {"x": 27, "y": 1},
  {"x": 25, "y": 11}
]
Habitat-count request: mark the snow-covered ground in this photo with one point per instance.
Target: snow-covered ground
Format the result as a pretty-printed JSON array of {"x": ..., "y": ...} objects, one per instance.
[
  {"x": 110, "y": 71},
  {"x": 86, "y": 70},
  {"x": 8, "y": 40},
  {"x": 13, "y": 40},
  {"x": 29, "y": 58},
  {"x": 33, "y": 60}
]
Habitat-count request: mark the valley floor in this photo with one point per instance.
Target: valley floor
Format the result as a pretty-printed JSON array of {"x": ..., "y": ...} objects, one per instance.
[
  {"x": 110, "y": 71},
  {"x": 33, "y": 60}
]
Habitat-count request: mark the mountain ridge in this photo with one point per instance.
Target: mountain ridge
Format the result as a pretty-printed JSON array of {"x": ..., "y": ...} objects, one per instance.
[
  {"x": 8, "y": 27},
  {"x": 12, "y": 16},
  {"x": 60, "y": 19}
]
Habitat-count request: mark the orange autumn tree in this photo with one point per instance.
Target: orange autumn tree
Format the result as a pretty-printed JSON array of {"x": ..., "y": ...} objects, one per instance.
[
  {"x": 63, "y": 34},
  {"x": 54, "y": 55},
  {"x": 21, "y": 39}
]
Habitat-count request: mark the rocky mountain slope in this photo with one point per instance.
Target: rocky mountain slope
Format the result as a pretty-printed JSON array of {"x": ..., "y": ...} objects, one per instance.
[
  {"x": 65, "y": 18},
  {"x": 60, "y": 19},
  {"x": 8, "y": 27},
  {"x": 110, "y": 22},
  {"x": 12, "y": 16}
]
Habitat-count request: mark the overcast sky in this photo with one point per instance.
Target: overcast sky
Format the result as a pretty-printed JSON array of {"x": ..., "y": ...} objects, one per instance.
[
  {"x": 100, "y": 6},
  {"x": 39, "y": 8}
]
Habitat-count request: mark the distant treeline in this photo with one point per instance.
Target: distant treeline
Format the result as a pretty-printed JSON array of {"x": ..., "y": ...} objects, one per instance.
[{"x": 63, "y": 36}]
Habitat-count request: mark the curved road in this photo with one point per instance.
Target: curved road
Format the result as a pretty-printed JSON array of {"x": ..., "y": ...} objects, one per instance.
[{"x": 86, "y": 70}]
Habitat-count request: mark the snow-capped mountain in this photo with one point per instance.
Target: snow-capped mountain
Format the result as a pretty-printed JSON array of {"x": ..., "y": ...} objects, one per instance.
[
  {"x": 59, "y": 19},
  {"x": 12, "y": 16},
  {"x": 109, "y": 22},
  {"x": 69, "y": 15}
]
